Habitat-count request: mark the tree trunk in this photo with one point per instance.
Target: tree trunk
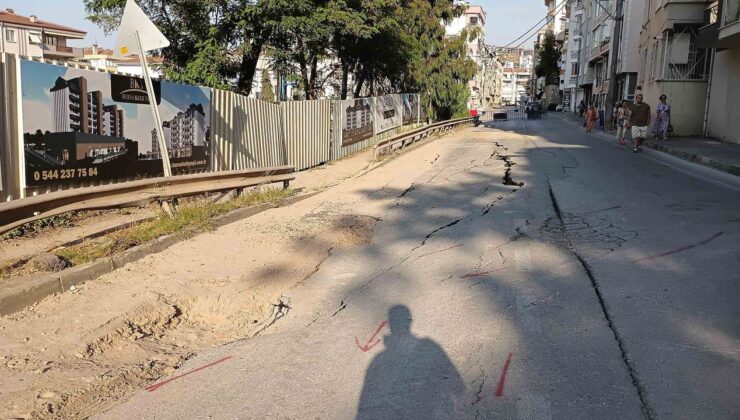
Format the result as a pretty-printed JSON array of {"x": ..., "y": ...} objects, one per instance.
[
  {"x": 345, "y": 80},
  {"x": 313, "y": 77},
  {"x": 304, "y": 69},
  {"x": 248, "y": 68},
  {"x": 360, "y": 82}
]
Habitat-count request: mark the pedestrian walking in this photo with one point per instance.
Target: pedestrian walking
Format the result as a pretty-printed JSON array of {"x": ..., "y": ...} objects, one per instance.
[
  {"x": 591, "y": 117},
  {"x": 620, "y": 117},
  {"x": 662, "y": 119},
  {"x": 581, "y": 108},
  {"x": 638, "y": 120}
]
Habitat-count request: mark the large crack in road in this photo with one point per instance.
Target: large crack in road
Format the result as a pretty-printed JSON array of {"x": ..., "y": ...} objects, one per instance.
[{"x": 637, "y": 384}]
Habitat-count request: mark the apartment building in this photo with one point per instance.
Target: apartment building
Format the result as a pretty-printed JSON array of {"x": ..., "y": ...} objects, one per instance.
[
  {"x": 557, "y": 25},
  {"x": 721, "y": 32},
  {"x": 474, "y": 19},
  {"x": 673, "y": 63},
  {"x": 185, "y": 130},
  {"x": 588, "y": 56},
  {"x": 32, "y": 37}
]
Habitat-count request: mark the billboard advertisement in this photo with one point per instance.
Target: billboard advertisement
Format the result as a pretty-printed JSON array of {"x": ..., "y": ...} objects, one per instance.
[
  {"x": 411, "y": 109},
  {"x": 82, "y": 125},
  {"x": 388, "y": 112},
  {"x": 358, "y": 120}
]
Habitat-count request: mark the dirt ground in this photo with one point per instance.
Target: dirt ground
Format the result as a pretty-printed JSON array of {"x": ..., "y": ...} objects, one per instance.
[{"x": 76, "y": 354}]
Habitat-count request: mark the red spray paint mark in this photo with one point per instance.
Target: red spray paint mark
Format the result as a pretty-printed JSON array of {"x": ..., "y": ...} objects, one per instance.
[
  {"x": 368, "y": 346},
  {"x": 481, "y": 274},
  {"x": 156, "y": 386},
  {"x": 502, "y": 380}
]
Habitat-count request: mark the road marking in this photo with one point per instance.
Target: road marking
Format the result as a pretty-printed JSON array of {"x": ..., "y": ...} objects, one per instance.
[
  {"x": 369, "y": 346},
  {"x": 502, "y": 379},
  {"x": 157, "y": 386}
]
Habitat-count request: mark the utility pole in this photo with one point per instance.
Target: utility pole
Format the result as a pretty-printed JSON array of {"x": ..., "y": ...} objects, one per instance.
[{"x": 611, "y": 96}]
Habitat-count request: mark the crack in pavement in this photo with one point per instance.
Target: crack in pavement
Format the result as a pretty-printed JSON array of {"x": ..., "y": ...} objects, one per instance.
[
  {"x": 407, "y": 190},
  {"x": 637, "y": 384},
  {"x": 279, "y": 310},
  {"x": 507, "y": 173}
]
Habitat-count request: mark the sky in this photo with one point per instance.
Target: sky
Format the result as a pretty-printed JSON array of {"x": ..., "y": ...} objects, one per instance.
[{"x": 507, "y": 19}]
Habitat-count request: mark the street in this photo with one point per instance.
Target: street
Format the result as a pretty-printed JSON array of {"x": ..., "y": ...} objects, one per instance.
[{"x": 523, "y": 271}]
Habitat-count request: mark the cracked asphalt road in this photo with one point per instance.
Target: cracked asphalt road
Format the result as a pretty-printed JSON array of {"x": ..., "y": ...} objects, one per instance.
[{"x": 609, "y": 281}]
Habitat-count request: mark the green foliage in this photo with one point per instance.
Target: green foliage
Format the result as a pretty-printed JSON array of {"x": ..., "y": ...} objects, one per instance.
[
  {"x": 440, "y": 67},
  {"x": 33, "y": 228},
  {"x": 548, "y": 56},
  {"x": 267, "y": 92},
  {"x": 385, "y": 45}
]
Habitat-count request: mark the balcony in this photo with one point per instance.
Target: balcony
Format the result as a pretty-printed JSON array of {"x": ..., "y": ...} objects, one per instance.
[
  {"x": 57, "y": 51},
  {"x": 586, "y": 79},
  {"x": 721, "y": 28},
  {"x": 600, "y": 50},
  {"x": 729, "y": 31}
]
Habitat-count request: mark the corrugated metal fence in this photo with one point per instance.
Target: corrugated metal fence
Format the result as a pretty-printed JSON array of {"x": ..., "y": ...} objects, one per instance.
[
  {"x": 245, "y": 133},
  {"x": 307, "y": 128}
]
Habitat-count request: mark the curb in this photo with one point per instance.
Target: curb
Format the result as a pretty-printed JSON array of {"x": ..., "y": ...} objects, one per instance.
[
  {"x": 689, "y": 157},
  {"x": 694, "y": 158},
  {"x": 19, "y": 293}
]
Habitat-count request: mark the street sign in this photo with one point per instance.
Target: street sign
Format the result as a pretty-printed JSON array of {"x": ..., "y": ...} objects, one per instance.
[
  {"x": 138, "y": 34},
  {"x": 135, "y": 20}
]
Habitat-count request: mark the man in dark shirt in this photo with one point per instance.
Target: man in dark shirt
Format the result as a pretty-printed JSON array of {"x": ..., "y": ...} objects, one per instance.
[{"x": 639, "y": 120}]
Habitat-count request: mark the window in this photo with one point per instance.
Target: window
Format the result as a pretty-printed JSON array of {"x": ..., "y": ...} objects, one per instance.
[
  {"x": 34, "y": 37},
  {"x": 10, "y": 35},
  {"x": 50, "y": 40},
  {"x": 474, "y": 20},
  {"x": 731, "y": 12},
  {"x": 684, "y": 60}
]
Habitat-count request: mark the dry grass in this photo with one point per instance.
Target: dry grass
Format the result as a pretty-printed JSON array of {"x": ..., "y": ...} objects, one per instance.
[{"x": 190, "y": 218}]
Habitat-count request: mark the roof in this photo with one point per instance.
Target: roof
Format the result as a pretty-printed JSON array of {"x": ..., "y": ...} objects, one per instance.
[
  {"x": 132, "y": 59},
  {"x": 14, "y": 19}
]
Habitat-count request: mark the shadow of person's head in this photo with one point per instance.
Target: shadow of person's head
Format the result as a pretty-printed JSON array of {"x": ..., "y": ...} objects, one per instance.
[
  {"x": 399, "y": 320},
  {"x": 411, "y": 377}
]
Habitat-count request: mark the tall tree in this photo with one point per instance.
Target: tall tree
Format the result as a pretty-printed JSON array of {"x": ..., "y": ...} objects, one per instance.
[
  {"x": 439, "y": 66},
  {"x": 548, "y": 60},
  {"x": 212, "y": 41}
]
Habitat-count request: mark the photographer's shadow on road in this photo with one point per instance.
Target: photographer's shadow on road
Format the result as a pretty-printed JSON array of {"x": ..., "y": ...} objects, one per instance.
[{"x": 412, "y": 378}]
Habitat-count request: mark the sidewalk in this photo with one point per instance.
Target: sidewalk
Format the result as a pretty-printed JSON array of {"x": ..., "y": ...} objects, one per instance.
[{"x": 715, "y": 154}]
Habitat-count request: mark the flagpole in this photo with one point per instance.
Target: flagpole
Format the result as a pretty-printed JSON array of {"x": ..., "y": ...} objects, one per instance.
[{"x": 155, "y": 110}]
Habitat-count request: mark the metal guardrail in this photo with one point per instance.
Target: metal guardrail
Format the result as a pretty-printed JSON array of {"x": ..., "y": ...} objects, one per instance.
[
  {"x": 405, "y": 139},
  {"x": 136, "y": 193}
]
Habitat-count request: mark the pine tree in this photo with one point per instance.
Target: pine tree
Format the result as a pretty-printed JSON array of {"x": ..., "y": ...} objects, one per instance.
[
  {"x": 548, "y": 55},
  {"x": 267, "y": 93}
]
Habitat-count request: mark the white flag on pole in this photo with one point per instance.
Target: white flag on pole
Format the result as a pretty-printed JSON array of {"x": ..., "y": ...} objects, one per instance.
[{"x": 135, "y": 20}]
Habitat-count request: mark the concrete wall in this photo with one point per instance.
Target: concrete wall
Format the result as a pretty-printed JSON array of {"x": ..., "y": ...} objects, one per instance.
[
  {"x": 630, "y": 43},
  {"x": 21, "y": 46},
  {"x": 687, "y": 100},
  {"x": 724, "y": 123}
]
